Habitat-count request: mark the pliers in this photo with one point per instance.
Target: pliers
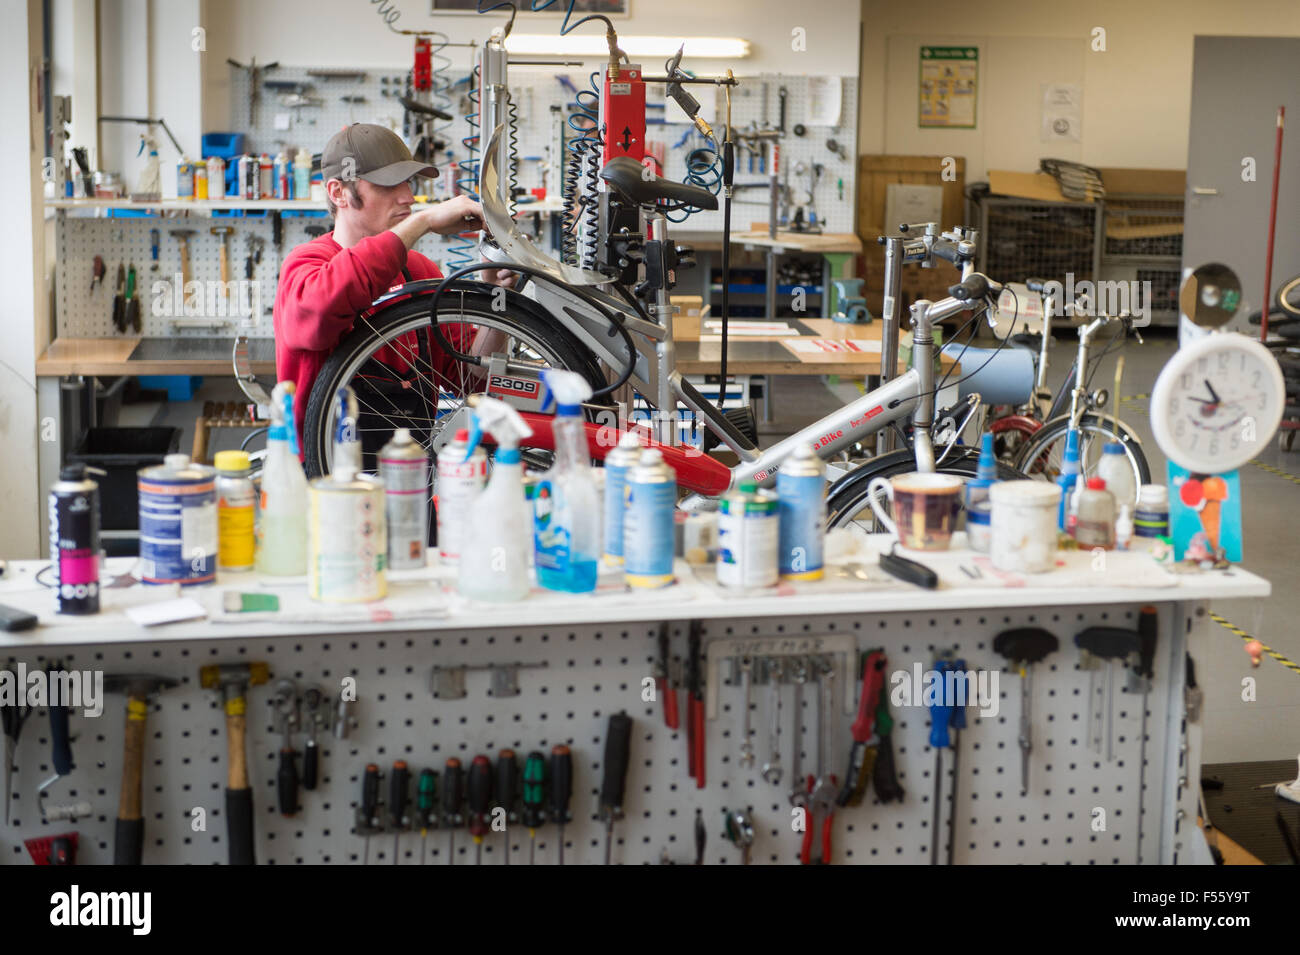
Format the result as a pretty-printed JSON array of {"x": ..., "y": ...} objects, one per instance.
[
  {"x": 664, "y": 680},
  {"x": 12, "y": 718},
  {"x": 866, "y": 742},
  {"x": 826, "y": 812}
]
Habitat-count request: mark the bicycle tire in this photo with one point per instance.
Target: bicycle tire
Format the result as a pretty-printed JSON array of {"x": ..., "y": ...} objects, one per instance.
[
  {"x": 847, "y": 496},
  {"x": 521, "y": 318},
  {"x": 1040, "y": 443}
]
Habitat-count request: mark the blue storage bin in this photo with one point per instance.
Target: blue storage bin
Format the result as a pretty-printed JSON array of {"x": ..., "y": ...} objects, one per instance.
[{"x": 178, "y": 387}]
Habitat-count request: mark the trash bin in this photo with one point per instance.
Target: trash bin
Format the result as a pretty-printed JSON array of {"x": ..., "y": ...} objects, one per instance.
[{"x": 121, "y": 452}]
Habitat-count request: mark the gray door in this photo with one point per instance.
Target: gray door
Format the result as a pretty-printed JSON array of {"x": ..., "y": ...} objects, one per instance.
[{"x": 1237, "y": 85}]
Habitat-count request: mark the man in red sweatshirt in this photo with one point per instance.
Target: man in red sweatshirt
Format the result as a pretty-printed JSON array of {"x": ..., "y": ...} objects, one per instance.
[{"x": 326, "y": 283}]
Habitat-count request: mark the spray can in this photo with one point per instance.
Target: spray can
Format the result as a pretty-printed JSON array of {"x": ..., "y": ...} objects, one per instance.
[
  {"x": 246, "y": 177},
  {"x": 265, "y": 183},
  {"x": 651, "y": 495},
  {"x": 461, "y": 476},
  {"x": 748, "y": 533},
  {"x": 347, "y": 544},
  {"x": 617, "y": 464},
  {"x": 178, "y": 522},
  {"x": 200, "y": 179},
  {"x": 282, "y": 175},
  {"x": 184, "y": 179},
  {"x": 404, "y": 469},
  {"x": 236, "y": 511},
  {"x": 216, "y": 177},
  {"x": 801, "y": 504},
  {"x": 74, "y": 541}
]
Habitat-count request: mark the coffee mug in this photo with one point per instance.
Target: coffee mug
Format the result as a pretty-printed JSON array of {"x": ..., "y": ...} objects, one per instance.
[{"x": 925, "y": 505}]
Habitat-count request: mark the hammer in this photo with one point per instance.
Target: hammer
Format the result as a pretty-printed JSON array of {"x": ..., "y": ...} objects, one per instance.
[
  {"x": 233, "y": 680},
  {"x": 128, "y": 840},
  {"x": 182, "y": 237},
  {"x": 224, "y": 232}
]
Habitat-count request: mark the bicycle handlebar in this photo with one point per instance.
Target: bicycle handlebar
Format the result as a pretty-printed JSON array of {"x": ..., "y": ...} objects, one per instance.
[{"x": 974, "y": 287}]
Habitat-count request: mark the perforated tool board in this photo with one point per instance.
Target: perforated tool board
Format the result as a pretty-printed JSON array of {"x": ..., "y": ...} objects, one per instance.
[{"x": 592, "y": 671}]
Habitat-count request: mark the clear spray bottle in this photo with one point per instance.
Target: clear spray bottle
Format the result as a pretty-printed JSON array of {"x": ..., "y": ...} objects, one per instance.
[{"x": 494, "y": 555}]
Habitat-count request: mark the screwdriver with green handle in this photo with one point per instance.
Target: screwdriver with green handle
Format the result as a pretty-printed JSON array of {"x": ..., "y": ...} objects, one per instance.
[
  {"x": 534, "y": 799},
  {"x": 426, "y": 804}
]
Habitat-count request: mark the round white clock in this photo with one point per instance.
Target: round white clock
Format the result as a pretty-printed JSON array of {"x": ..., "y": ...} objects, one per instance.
[{"x": 1217, "y": 403}]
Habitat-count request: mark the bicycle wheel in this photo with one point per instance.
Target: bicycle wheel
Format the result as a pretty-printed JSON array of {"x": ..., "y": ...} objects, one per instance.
[
  {"x": 846, "y": 500},
  {"x": 419, "y": 397},
  {"x": 1043, "y": 455}
]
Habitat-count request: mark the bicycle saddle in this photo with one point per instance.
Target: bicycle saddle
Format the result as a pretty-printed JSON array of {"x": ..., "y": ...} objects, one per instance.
[{"x": 627, "y": 177}]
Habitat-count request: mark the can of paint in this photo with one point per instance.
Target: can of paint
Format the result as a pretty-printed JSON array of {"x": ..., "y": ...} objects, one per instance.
[
  {"x": 178, "y": 522},
  {"x": 236, "y": 511},
  {"x": 650, "y": 496},
  {"x": 801, "y": 505},
  {"x": 216, "y": 177},
  {"x": 748, "y": 534},
  {"x": 404, "y": 469},
  {"x": 617, "y": 464},
  {"x": 265, "y": 186},
  {"x": 184, "y": 179},
  {"x": 74, "y": 541},
  {"x": 461, "y": 476},
  {"x": 347, "y": 546}
]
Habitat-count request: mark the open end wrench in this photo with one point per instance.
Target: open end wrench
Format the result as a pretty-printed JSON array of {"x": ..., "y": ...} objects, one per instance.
[
  {"x": 798, "y": 789},
  {"x": 747, "y": 743},
  {"x": 772, "y": 771}
]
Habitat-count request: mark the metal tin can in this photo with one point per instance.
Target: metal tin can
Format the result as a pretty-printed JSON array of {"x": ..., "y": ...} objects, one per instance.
[
  {"x": 265, "y": 186},
  {"x": 460, "y": 480},
  {"x": 404, "y": 469},
  {"x": 651, "y": 496},
  {"x": 178, "y": 523},
  {"x": 748, "y": 533},
  {"x": 347, "y": 544},
  {"x": 236, "y": 511},
  {"x": 184, "y": 179},
  {"x": 282, "y": 175},
  {"x": 216, "y": 177},
  {"x": 617, "y": 463},
  {"x": 74, "y": 541},
  {"x": 200, "y": 179},
  {"x": 801, "y": 504}
]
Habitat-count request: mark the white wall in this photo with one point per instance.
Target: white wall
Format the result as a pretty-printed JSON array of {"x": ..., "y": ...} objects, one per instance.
[{"x": 1136, "y": 94}]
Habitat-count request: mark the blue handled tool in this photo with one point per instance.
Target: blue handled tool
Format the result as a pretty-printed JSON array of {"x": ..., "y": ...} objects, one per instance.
[
  {"x": 958, "y": 723},
  {"x": 940, "y": 716}
]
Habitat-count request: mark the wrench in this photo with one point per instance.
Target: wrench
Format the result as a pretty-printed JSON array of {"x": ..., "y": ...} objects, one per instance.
[
  {"x": 798, "y": 788},
  {"x": 824, "y": 793},
  {"x": 747, "y": 743},
  {"x": 772, "y": 769}
]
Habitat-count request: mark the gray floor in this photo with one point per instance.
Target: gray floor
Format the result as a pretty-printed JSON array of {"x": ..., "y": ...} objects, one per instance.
[{"x": 1235, "y": 731}]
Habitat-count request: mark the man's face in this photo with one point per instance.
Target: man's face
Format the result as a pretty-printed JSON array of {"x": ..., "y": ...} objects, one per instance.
[{"x": 381, "y": 207}]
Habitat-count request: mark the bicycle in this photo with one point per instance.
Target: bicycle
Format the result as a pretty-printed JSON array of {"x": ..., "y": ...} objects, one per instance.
[{"x": 570, "y": 323}]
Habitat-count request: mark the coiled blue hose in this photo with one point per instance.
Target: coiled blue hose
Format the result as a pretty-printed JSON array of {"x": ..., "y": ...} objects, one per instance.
[{"x": 462, "y": 251}]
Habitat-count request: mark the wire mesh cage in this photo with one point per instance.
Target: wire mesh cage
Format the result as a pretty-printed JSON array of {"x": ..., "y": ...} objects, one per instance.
[
  {"x": 1144, "y": 226},
  {"x": 1023, "y": 238}
]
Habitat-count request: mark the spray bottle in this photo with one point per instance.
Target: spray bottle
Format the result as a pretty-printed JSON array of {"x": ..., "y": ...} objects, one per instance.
[
  {"x": 979, "y": 529},
  {"x": 566, "y": 504},
  {"x": 282, "y": 529},
  {"x": 149, "y": 185},
  {"x": 494, "y": 557},
  {"x": 1068, "y": 477}
]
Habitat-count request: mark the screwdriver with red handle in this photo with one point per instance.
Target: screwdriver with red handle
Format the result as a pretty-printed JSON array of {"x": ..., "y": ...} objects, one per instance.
[
  {"x": 695, "y": 732},
  {"x": 561, "y": 773},
  {"x": 453, "y": 794},
  {"x": 506, "y": 786},
  {"x": 479, "y": 798}
]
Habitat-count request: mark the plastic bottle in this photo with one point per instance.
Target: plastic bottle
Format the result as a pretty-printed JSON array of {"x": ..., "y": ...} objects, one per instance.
[
  {"x": 1096, "y": 516},
  {"x": 494, "y": 558},
  {"x": 282, "y": 527},
  {"x": 978, "y": 509},
  {"x": 1115, "y": 470},
  {"x": 1068, "y": 477},
  {"x": 566, "y": 503},
  {"x": 1123, "y": 528},
  {"x": 302, "y": 175},
  {"x": 1151, "y": 519}
]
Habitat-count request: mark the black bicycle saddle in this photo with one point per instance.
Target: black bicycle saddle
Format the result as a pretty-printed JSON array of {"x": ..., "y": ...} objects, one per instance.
[{"x": 628, "y": 178}]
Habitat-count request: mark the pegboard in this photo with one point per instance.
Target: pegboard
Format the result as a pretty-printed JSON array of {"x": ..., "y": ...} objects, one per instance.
[{"x": 588, "y": 673}]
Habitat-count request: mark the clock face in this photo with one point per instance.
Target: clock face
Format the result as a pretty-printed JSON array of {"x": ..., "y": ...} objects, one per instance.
[{"x": 1217, "y": 403}]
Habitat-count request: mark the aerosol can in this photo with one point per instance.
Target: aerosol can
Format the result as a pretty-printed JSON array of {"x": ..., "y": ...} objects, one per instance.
[
  {"x": 282, "y": 515},
  {"x": 801, "y": 509},
  {"x": 617, "y": 464},
  {"x": 494, "y": 560},
  {"x": 347, "y": 539},
  {"x": 74, "y": 540},
  {"x": 566, "y": 505},
  {"x": 404, "y": 469},
  {"x": 650, "y": 497},
  {"x": 462, "y": 472}
]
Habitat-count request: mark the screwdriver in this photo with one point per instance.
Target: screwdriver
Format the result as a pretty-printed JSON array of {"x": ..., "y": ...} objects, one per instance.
[
  {"x": 561, "y": 788},
  {"x": 1109, "y": 644},
  {"x": 885, "y": 777},
  {"x": 618, "y": 739},
  {"x": 480, "y": 800},
  {"x": 426, "y": 801},
  {"x": 701, "y": 837},
  {"x": 507, "y": 774},
  {"x": 1144, "y": 672},
  {"x": 940, "y": 715},
  {"x": 534, "y": 799},
  {"x": 958, "y": 723},
  {"x": 1024, "y": 647},
  {"x": 398, "y": 794},
  {"x": 453, "y": 794},
  {"x": 368, "y": 808}
]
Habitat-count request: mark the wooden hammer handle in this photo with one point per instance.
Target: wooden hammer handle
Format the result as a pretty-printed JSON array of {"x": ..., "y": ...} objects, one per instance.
[
  {"x": 237, "y": 756},
  {"x": 130, "y": 802}
]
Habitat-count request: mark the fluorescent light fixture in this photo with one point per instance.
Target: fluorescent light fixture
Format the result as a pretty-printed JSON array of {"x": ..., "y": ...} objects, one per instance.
[{"x": 699, "y": 48}]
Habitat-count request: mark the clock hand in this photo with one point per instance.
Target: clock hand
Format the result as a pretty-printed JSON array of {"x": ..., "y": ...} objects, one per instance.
[{"x": 1213, "y": 394}]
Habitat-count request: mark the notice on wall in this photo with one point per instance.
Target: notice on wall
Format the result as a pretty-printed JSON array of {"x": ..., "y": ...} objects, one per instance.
[
  {"x": 949, "y": 80},
  {"x": 1062, "y": 113}
]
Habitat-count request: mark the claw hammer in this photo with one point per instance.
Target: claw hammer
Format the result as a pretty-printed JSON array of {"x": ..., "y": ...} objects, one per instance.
[
  {"x": 128, "y": 839},
  {"x": 233, "y": 680}
]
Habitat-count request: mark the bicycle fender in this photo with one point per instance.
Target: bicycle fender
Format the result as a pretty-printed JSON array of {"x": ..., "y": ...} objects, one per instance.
[
  {"x": 1127, "y": 434},
  {"x": 1015, "y": 422}
]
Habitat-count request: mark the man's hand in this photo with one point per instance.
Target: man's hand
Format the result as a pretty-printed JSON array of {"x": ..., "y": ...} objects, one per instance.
[
  {"x": 453, "y": 216},
  {"x": 503, "y": 277}
]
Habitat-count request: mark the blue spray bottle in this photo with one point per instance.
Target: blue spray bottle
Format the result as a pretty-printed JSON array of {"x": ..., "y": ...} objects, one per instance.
[{"x": 566, "y": 502}]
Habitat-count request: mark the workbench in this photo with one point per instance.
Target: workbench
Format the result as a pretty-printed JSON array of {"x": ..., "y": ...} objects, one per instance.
[{"x": 560, "y": 665}]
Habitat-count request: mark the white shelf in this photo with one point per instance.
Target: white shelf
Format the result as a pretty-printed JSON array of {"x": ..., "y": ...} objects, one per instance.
[{"x": 186, "y": 205}]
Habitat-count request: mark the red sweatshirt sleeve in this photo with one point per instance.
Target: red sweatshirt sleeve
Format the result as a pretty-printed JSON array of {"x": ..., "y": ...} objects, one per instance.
[{"x": 322, "y": 289}]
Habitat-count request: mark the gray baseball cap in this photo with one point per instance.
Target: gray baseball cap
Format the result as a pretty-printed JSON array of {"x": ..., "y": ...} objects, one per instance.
[{"x": 373, "y": 153}]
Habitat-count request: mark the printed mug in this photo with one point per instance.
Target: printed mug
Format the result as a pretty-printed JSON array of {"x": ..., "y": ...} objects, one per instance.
[{"x": 925, "y": 508}]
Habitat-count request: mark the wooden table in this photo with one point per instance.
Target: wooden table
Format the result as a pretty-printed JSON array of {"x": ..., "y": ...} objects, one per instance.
[{"x": 149, "y": 356}]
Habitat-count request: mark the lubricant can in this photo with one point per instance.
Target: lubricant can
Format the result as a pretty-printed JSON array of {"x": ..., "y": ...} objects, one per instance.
[
  {"x": 404, "y": 469},
  {"x": 236, "y": 511},
  {"x": 74, "y": 541},
  {"x": 216, "y": 177},
  {"x": 265, "y": 187},
  {"x": 650, "y": 494},
  {"x": 282, "y": 176},
  {"x": 461, "y": 476},
  {"x": 184, "y": 179},
  {"x": 347, "y": 545},
  {"x": 617, "y": 464},
  {"x": 748, "y": 534},
  {"x": 200, "y": 179},
  {"x": 801, "y": 505},
  {"x": 178, "y": 523},
  {"x": 246, "y": 179}
]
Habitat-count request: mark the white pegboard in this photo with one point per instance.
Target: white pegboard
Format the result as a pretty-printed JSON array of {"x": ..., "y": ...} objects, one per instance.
[{"x": 592, "y": 671}]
